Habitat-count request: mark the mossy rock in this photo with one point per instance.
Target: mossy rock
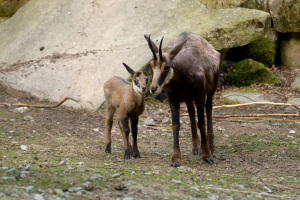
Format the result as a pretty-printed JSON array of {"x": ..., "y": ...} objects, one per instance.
[
  {"x": 265, "y": 49},
  {"x": 248, "y": 71},
  {"x": 9, "y": 8}
]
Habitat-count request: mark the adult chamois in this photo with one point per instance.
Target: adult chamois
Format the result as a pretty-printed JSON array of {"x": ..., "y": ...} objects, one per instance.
[
  {"x": 128, "y": 99},
  {"x": 189, "y": 72}
]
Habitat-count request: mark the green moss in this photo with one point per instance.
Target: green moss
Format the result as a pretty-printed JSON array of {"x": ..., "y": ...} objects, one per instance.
[
  {"x": 265, "y": 49},
  {"x": 248, "y": 71}
]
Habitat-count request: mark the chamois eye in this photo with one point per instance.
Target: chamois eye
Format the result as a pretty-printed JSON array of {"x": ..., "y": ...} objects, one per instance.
[
  {"x": 136, "y": 81},
  {"x": 146, "y": 80},
  {"x": 167, "y": 68}
]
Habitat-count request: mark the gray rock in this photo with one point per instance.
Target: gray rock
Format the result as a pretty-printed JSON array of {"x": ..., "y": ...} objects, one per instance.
[
  {"x": 38, "y": 197},
  {"x": 58, "y": 191},
  {"x": 128, "y": 198},
  {"x": 236, "y": 97},
  {"x": 24, "y": 174},
  {"x": 96, "y": 177},
  {"x": 29, "y": 188},
  {"x": 149, "y": 121},
  {"x": 89, "y": 186},
  {"x": 290, "y": 50},
  {"x": 3, "y": 168},
  {"x": 76, "y": 189},
  {"x": 12, "y": 171},
  {"x": 116, "y": 175},
  {"x": 24, "y": 147},
  {"x": 15, "y": 195},
  {"x": 267, "y": 189},
  {"x": 11, "y": 132},
  {"x": 28, "y": 118},
  {"x": 8, "y": 178},
  {"x": 213, "y": 197},
  {"x": 28, "y": 168},
  {"x": 285, "y": 15},
  {"x": 21, "y": 109}
]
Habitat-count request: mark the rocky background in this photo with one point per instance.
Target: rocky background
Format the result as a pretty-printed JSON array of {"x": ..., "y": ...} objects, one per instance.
[{"x": 56, "y": 49}]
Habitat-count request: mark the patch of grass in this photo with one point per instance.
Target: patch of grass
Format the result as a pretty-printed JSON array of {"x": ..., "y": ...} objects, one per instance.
[
  {"x": 44, "y": 100},
  {"x": 227, "y": 101},
  {"x": 243, "y": 90}
]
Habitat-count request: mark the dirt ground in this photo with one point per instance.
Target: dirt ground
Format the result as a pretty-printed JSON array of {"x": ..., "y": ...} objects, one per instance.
[{"x": 64, "y": 158}]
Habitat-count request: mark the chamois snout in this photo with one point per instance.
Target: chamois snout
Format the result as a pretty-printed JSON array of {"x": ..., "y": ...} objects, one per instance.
[{"x": 153, "y": 90}]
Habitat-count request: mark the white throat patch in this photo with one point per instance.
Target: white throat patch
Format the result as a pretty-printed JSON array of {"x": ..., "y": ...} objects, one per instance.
[
  {"x": 169, "y": 77},
  {"x": 136, "y": 88}
]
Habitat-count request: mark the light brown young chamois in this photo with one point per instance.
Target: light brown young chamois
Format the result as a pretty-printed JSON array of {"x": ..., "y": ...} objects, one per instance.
[
  {"x": 189, "y": 72},
  {"x": 128, "y": 99}
]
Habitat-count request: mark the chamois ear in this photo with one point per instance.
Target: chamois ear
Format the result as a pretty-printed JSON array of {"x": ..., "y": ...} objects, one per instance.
[
  {"x": 131, "y": 72},
  {"x": 152, "y": 46},
  {"x": 146, "y": 68},
  {"x": 176, "y": 49}
]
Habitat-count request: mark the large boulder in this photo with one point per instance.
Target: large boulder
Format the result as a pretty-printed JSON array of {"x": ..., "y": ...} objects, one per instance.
[
  {"x": 253, "y": 4},
  {"x": 55, "y": 49},
  {"x": 248, "y": 71},
  {"x": 290, "y": 50},
  {"x": 285, "y": 15}
]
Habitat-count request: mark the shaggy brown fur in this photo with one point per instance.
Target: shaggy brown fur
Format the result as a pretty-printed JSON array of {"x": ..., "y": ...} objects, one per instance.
[
  {"x": 128, "y": 99},
  {"x": 189, "y": 72}
]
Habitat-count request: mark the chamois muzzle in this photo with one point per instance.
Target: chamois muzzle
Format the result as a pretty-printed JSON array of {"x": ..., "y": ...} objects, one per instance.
[{"x": 153, "y": 90}]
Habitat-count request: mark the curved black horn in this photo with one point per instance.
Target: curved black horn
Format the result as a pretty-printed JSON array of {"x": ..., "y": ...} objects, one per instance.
[
  {"x": 151, "y": 47},
  {"x": 160, "y": 52}
]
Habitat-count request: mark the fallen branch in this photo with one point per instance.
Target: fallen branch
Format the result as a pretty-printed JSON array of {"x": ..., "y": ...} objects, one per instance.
[
  {"x": 257, "y": 103},
  {"x": 258, "y": 115},
  {"x": 42, "y": 106}
]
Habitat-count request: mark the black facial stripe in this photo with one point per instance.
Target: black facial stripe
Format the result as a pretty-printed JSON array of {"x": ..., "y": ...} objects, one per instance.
[
  {"x": 162, "y": 77},
  {"x": 136, "y": 82}
]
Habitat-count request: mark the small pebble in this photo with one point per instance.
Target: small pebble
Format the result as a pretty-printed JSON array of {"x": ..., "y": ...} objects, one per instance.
[{"x": 24, "y": 147}]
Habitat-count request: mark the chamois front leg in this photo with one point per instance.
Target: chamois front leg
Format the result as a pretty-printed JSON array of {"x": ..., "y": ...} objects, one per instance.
[
  {"x": 124, "y": 126},
  {"x": 134, "y": 132},
  {"x": 108, "y": 125},
  {"x": 176, "y": 158},
  {"x": 195, "y": 137},
  {"x": 206, "y": 154}
]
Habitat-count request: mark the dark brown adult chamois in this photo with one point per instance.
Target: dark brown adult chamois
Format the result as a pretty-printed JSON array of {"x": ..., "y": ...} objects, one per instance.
[
  {"x": 128, "y": 99},
  {"x": 189, "y": 72}
]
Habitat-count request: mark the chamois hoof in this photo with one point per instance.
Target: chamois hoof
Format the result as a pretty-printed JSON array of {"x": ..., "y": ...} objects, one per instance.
[
  {"x": 127, "y": 154},
  {"x": 137, "y": 155},
  {"x": 127, "y": 157},
  {"x": 108, "y": 150},
  {"x": 209, "y": 161},
  {"x": 175, "y": 165},
  {"x": 197, "y": 152}
]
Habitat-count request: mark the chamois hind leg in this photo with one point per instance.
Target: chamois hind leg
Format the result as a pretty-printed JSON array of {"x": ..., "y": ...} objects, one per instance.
[
  {"x": 210, "y": 133},
  {"x": 108, "y": 125},
  {"x": 195, "y": 137},
  {"x": 134, "y": 132},
  {"x": 206, "y": 154},
  {"x": 124, "y": 126}
]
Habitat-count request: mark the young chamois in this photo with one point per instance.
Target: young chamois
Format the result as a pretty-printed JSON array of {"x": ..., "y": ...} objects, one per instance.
[
  {"x": 189, "y": 72},
  {"x": 128, "y": 99}
]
